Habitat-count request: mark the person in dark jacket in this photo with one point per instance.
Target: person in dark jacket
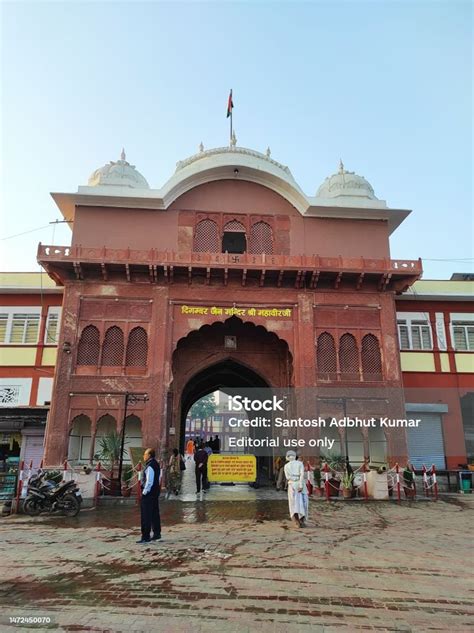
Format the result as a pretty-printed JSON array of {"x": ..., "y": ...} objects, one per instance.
[
  {"x": 200, "y": 461},
  {"x": 150, "y": 509}
]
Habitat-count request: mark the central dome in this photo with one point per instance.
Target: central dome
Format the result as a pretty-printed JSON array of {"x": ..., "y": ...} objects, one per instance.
[
  {"x": 346, "y": 184},
  {"x": 118, "y": 174}
]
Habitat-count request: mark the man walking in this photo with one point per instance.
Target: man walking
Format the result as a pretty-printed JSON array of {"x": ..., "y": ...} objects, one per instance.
[{"x": 150, "y": 509}]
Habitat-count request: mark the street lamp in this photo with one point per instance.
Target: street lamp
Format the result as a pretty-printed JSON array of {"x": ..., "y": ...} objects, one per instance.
[{"x": 130, "y": 398}]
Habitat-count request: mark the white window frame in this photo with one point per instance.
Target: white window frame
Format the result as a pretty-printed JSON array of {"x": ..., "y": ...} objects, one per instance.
[
  {"x": 12, "y": 310},
  {"x": 56, "y": 310},
  {"x": 408, "y": 319},
  {"x": 464, "y": 320}
]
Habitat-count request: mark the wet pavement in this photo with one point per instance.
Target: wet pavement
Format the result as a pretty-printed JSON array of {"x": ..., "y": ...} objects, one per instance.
[{"x": 240, "y": 566}]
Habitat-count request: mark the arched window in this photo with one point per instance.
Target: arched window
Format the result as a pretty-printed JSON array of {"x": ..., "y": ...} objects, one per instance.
[
  {"x": 79, "y": 449},
  {"x": 206, "y": 237},
  {"x": 326, "y": 357},
  {"x": 113, "y": 347},
  {"x": 89, "y": 346},
  {"x": 137, "y": 348},
  {"x": 234, "y": 239},
  {"x": 348, "y": 358},
  {"x": 371, "y": 359},
  {"x": 261, "y": 239}
]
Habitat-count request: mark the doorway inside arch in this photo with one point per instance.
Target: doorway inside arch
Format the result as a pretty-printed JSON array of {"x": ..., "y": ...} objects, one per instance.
[
  {"x": 204, "y": 411},
  {"x": 220, "y": 358}
]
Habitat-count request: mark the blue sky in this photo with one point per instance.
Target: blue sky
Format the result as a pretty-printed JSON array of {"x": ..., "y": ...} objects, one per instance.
[{"x": 384, "y": 85}]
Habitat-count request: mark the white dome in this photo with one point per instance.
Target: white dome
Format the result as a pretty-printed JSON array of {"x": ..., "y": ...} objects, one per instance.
[
  {"x": 346, "y": 184},
  {"x": 118, "y": 174}
]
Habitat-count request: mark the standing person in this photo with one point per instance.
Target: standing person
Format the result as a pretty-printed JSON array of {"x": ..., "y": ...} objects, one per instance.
[
  {"x": 174, "y": 473},
  {"x": 150, "y": 509},
  {"x": 217, "y": 445},
  {"x": 189, "y": 449},
  {"x": 208, "y": 448},
  {"x": 200, "y": 460},
  {"x": 297, "y": 491}
]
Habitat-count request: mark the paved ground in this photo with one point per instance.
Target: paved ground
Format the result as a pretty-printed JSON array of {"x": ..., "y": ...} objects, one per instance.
[{"x": 240, "y": 566}]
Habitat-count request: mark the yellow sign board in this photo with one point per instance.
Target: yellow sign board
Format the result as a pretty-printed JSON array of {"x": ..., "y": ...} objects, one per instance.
[
  {"x": 240, "y": 312},
  {"x": 232, "y": 468}
]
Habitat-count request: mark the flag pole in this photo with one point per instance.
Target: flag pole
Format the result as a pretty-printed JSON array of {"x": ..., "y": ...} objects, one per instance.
[{"x": 231, "y": 112}]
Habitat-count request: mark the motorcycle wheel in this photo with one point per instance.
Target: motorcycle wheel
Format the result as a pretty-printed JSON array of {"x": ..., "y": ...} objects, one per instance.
[
  {"x": 71, "y": 505},
  {"x": 31, "y": 507}
]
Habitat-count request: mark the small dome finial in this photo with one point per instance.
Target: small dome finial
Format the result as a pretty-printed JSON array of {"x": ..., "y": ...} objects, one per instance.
[
  {"x": 268, "y": 152},
  {"x": 233, "y": 140},
  {"x": 341, "y": 166},
  {"x": 122, "y": 155},
  {"x": 201, "y": 147}
]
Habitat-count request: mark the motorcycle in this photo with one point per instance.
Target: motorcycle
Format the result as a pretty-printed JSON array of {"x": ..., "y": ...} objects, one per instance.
[{"x": 45, "y": 495}]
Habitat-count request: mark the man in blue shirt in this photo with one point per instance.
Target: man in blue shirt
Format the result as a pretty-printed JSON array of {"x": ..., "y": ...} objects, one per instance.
[{"x": 150, "y": 509}]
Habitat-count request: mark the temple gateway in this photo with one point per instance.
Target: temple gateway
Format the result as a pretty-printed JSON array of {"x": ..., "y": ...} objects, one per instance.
[{"x": 229, "y": 275}]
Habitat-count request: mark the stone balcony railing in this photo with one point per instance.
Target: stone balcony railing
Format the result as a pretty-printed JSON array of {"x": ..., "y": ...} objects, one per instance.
[{"x": 80, "y": 254}]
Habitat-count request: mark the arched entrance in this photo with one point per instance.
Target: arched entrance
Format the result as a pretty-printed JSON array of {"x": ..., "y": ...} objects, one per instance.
[{"x": 225, "y": 355}]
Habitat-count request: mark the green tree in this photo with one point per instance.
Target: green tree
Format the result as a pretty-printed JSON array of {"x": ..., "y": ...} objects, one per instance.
[{"x": 203, "y": 408}]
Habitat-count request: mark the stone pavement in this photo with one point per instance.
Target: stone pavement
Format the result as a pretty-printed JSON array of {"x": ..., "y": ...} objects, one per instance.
[{"x": 239, "y": 566}]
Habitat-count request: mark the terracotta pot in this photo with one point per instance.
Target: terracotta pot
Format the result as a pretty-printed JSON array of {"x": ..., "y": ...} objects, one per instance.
[
  {"x": 409, "y": 492},
  {"x": 334, "y": 485},
  {"x": 125, "y": 490},
  {"x": 318, "y": 491},
  {"x": 347, "y": 493}
]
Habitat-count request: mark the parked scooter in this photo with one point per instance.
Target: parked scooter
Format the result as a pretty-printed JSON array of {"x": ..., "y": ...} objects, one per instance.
[{"x": 45, "y": 495}]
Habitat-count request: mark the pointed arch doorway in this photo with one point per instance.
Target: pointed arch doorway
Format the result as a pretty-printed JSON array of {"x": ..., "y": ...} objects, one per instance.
[{"x": 203, "y": 363}]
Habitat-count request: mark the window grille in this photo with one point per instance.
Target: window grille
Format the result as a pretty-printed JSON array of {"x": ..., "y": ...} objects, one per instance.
[
  {"x": 113, "y": 347},
  {"x": 348, "y": 357},
  {"x": 234, "y": 227},
  {"x": 137, "y": 348},
  {"x": 206, "y": 237},
  {"x": 463, "y": 335},
  {"x": 261, "y": 239},
  {"x": 414, "y": 334},
  {"x": 371, "y": 359},
  {"x": 3, "y": 327},
  {"x": 51, "y": 334},
  {"x": 421, "y": 335},
  {"x": 25, "y": 328},
  {"x": 403, "y": 335},
  {"x": 326, "y": 357},
  {"x": 89, "y": 346}
]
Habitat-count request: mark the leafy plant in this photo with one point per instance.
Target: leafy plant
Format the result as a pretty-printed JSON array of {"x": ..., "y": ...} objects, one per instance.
[
  {"x": 336, "y": 461},
  {"x": 408, "y": 477},
  {"x": 347, "y": 481},
  {"x": 109, "y": 448}
]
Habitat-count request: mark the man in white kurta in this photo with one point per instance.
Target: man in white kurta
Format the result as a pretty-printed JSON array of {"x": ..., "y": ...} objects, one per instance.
[{"x": 297, "y": 490}]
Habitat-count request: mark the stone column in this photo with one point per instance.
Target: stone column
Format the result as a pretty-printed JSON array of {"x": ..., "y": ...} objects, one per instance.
[{"x": 57, "y": 438}]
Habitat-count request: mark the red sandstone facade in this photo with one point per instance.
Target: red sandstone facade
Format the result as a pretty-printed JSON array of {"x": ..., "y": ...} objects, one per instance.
[{"x": 149, "y": 299}]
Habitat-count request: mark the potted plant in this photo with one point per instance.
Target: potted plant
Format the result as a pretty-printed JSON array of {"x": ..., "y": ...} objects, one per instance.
[
  {"x": 109, "y": 453},
  {"x": 347, "y": 484},
  {"x": 337, "y": 464},
  {"x": 408, "y": 483}
]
